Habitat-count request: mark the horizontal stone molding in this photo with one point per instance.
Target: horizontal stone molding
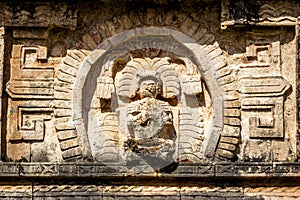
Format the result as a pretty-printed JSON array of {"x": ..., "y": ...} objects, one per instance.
[
  {"x": 202, "y": 170},
  {"x": 259, "y": 14}
]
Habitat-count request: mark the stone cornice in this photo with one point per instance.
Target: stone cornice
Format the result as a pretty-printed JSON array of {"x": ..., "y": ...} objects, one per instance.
[
  {"x": 204, "y": 170},
  {"x": 38, "y": 14}
]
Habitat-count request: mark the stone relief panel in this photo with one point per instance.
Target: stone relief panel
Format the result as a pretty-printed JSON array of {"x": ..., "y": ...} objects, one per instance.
[
  {"x": 226, "y": 78},
  {"x": 149, "y": 93},
  {"x": 28, "y": 72},
  {"x": 187, "y": 84},
  {"x": 29, "y": 126},
  {"x": 263, "y": 90},
  {"x": 38, "y": 14},
  {"x": 203, "y": 107},
  {"x": 276, "y": 13},
  {"x": 263, "y": 55},
  {"x": 152, "y": 114}
]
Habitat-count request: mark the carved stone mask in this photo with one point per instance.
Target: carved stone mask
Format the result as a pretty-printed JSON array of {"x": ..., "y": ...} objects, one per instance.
[{"x": 149, "y": 88}]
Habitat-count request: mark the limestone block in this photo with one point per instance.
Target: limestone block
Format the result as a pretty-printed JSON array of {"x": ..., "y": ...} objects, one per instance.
[
  {"x": 48, "y": 150},
  {"x": 33, "y": 34},
  {"x": 27, "y": 120},
  {"x": 279, "y": 14},
  {"x": 264, "y": 86},
  {"x": 30, "y": 77},
  {"x": 282, "y": 151},
  {"x": 16, "y": 151},
  {"x": 258, "y": 151}
]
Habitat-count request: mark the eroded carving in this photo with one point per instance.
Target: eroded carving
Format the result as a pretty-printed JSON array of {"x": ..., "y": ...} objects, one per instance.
[
  {"x": 31, "y": 75},
  {"x": 133, "y": 114},
  {"x": 28, "y": 123},
  {"x": 264, "y": 14},
  {"x": 220, "y": 75},
  {"x": 152, "y": 112},
  {"x": 262, "y": 103},
  {"x": 38, "y": 14},
  {"x": 262, "y": 96},
  {"x": 150, "y": 121}
]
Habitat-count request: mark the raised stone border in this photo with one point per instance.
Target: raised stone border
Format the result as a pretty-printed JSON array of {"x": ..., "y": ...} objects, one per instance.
[
  {"x": 203, "y": 170},
  {"x": 127, "y": 41},
  {"x": 198, "y": 44},
  {"x": 35, "y": 190}
]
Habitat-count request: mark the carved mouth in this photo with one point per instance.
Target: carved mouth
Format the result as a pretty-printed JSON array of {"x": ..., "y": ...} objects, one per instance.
[{"x": 146, "y": 123}]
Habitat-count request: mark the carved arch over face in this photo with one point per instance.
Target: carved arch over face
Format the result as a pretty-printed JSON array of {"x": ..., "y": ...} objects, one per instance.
[{"x": 208, "y": 61}]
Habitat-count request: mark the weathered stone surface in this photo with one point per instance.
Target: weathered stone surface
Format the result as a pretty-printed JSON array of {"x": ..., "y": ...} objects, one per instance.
[
  {"x": 263, "y": 14},
  {"x": 2, "y": 34},
  {"x": 140, "y": 99}
]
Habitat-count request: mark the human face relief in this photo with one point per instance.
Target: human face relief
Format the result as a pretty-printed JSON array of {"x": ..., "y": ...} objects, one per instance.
[{"x": 148, "y": 88}]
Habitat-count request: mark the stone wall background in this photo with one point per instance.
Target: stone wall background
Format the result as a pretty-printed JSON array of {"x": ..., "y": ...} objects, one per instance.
[{"x": 42, "y": 47}]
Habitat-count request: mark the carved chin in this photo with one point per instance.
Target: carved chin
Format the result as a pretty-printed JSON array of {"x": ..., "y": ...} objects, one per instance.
[
  {"x": 147, "y": 94},
  {"x": 155, "y": 147}
]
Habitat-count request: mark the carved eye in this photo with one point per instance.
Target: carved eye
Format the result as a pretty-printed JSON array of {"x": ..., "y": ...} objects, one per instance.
[{"x": 135, "y": 113}]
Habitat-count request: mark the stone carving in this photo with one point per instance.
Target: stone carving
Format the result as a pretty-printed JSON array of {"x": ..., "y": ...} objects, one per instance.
[
  {"x": 150, "y": 111},
  {"x": 27, "y": 73},
  {"x": 200, "y": 170},
  {"x": 263, "y": 52},
  {"x": 263, "y": 14},
  {"x": 265, "y": 99},
  {"x": 31, "y": 55},
  {"x": 113, "y": 95},
  {"x": 224, "y": 75},
  {"x": 30, "y": 91},
  {"x": 262, "y": 95},
  {"x": 149, "y": 93},
  {"x": 63, "y": 85},
  {"x": 273, "y": 192},
  {"x": 258, "y": 55},
  {"x": 150, "y": 121},
  {"x": 38, "y": 14},
  {"x": 30, "y": 125},
  {"x": 263, "y": 106}
]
